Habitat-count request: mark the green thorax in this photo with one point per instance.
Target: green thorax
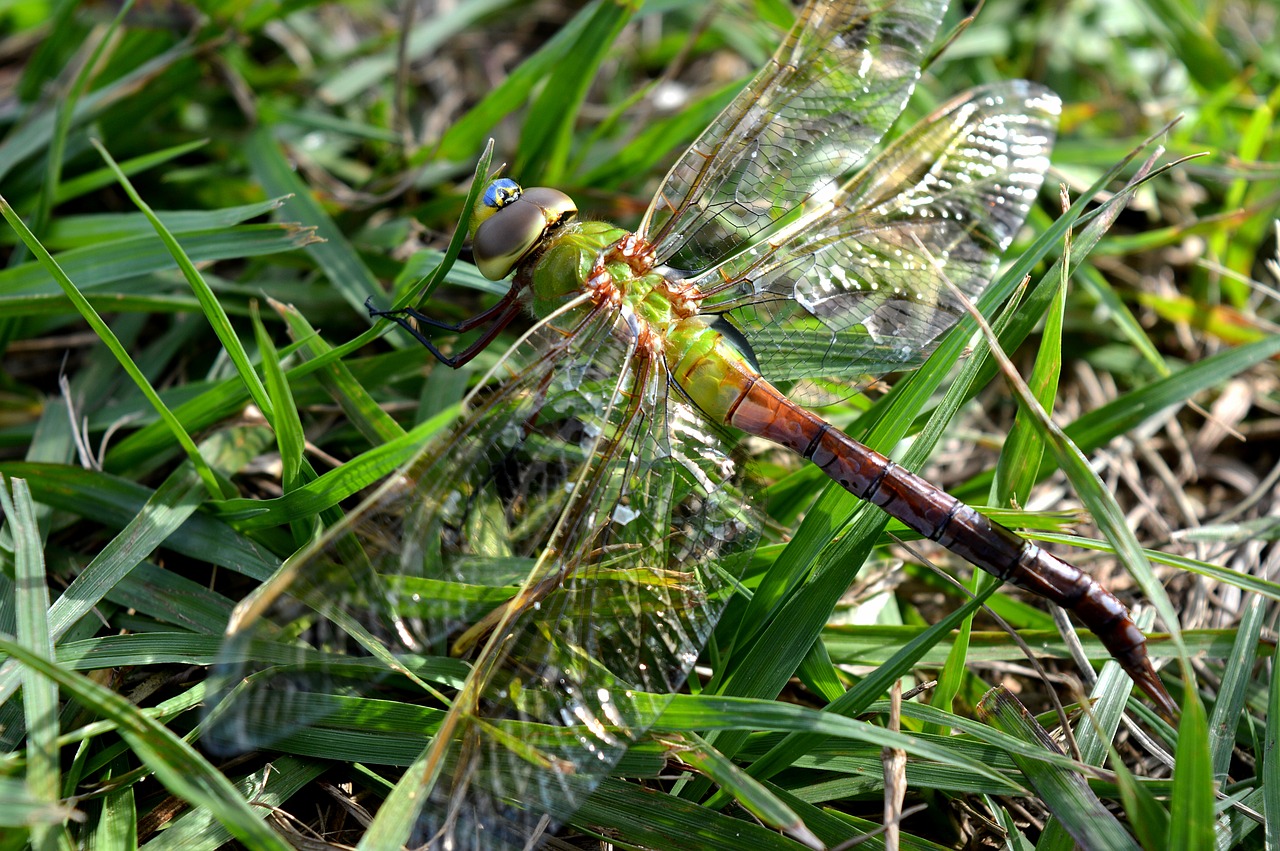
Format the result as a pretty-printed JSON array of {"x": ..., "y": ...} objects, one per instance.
[
  {"x": 702, "y": 360},
  {"x": 561, "y": 272}
]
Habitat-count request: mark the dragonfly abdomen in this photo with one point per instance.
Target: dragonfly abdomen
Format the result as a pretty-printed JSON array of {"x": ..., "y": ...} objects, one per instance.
[{"x": 762, "y": 410}]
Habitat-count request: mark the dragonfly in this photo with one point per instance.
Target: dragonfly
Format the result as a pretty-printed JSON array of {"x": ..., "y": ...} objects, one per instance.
[{"x": 549, "y": 570}]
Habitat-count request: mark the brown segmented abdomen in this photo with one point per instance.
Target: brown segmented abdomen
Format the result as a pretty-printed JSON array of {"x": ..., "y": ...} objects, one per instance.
[{"x": 763, "y": 410}]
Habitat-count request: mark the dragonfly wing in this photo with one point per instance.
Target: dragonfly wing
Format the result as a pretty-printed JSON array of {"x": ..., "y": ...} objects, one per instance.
[
  {"x": 579, "y": 530},
  {"x": 643, "y": 563},
  {"x": 867, "y": 284},
  {"x": 830, "y": 93}
]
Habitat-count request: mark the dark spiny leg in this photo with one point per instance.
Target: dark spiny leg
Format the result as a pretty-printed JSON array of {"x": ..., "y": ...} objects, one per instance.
[{"x": 497, "y": 318}]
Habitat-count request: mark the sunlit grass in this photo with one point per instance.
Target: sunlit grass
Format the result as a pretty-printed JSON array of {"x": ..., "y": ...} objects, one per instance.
[{"x": 305, "y": 161}]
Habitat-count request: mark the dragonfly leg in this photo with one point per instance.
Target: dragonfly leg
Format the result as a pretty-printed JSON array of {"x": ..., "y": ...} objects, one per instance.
[{"x": 496, "y": 317}]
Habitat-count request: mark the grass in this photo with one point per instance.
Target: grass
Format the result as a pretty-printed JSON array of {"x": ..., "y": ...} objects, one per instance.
[{"x": 189, "y": 394}]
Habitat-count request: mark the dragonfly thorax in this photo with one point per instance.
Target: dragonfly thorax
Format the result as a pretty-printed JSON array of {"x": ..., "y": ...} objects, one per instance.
[{"x": 611, "y": 266}]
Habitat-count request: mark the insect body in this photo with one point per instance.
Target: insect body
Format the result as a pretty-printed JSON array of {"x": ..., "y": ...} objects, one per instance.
[
  {"x": 577, "y": 535},
  {"x": 664, "y": 318}
]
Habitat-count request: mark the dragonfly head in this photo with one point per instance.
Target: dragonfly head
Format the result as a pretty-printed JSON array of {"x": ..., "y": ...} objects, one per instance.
[{"x": 509, "y": 222}]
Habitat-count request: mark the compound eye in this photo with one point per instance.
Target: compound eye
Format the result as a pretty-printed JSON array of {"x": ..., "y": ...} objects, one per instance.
[
  {"x": 504, "y": 238},
  {"x": 509, "y": 233},
  {"x": 498, "y": 194}
]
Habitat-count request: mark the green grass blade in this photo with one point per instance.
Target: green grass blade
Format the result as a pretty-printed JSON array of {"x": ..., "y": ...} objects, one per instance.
[
  {"x": 212, "y": 308},
  {"x": 176, "y": 764},
  {"x": 268, "y": 788},
  {"x": 226, "y": 398},
  {"x": 96, "y": 228},
  {"x": 100, "y": 264},
  {"x": 1019, "y": 465},
  {"x": 856, "y": 700},
  {"x": 334, "y": 254},
  {"x": 479, "y": 182},
  {"x": 1197, "y": 47},
  {"x": 468, "y": 133},
  {"x": 1147, "y": 815},
  {"x": 357, "y": 403},
  {"x": 34, "y": 136},
  {"x": 1063, "y": 791},
  {"x": 90, "y": 181},
  {"x": 105, "y": 334},
  {"x": 286, "y": 424},
  {"x": 116, "y": 502},
  {"x": 1191, "y": 810},
  {"x": 649, "y": 149},
  {"x": 168, "y": 509},
  {"x": 1271, "y": 768},
  {"x": 63, "y": 115},
  {"x": 1098, "y": 427},
  {"x": 355, "y": 77},
  {"x": 1237, "y": 677},
  {"x": 336, "y": 485},
  {"x": 548, "y": 131},
  {"x": 651, "y": 819},
  {"x": 39, "y": 696},
  {"x": 752, "y": 795}
]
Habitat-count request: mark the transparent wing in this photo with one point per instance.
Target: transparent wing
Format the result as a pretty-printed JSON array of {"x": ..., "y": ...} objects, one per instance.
[
  {"x": 576, "y": 536},
  {"x": 864, "y": 284},
  {"x": 832, "y": 90}
]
